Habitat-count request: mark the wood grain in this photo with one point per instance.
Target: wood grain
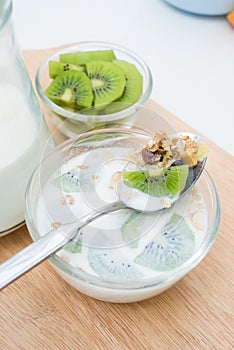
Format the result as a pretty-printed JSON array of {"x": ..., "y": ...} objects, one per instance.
[{"x": 40, "y": 311}]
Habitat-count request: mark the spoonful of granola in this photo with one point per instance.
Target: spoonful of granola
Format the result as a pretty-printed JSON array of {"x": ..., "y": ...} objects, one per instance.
[{"x": 165, "y": 170}]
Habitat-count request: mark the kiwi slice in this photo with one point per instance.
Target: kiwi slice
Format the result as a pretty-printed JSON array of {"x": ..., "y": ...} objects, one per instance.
[
  {"x": 132, "y": 90},
  {"x": 108, "y": 82},
  {"x": 58, "y": 67},
  {"x": 134, "y": 82},
  {"x": 130, "y": 230},
  {"x": 81, "y": 58},
  {"x": 172, "y": 246},
  {"x": 72, "y": 181},
  {"x": 71, "y": 89},
  {"x": 75, "y": 246},
  {"x": 110, "y": 265},
  {"x": 170, "y": 181}
]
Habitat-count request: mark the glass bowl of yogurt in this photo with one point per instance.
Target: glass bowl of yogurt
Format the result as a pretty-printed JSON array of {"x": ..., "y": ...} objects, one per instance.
[
  {"x": 72, "y": 119},
  {"x": 124, "y": 256}
]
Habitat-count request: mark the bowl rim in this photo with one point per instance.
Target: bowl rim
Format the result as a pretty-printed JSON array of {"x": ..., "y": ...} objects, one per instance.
[
  {"x": 104, "y": 117},
  {"x": 166, "y": 277}
]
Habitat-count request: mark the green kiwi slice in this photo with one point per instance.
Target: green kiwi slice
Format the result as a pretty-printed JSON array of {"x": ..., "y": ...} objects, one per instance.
[
  {"x": 132, "y": 90},
  {"x": 170, "y": 181},
  {"x": 58, "y": 67},
  {"x": 81, "y": 58},
  {"x": 110, "y": 265},
  {"x": 75, "y": 246},
  {"x": 130, "y": 231},
  {"x": 134, "y": 82},
  {"x": 171, "y": 247},
  {"x": 71, "y": 89},
  {"x": 72, "y": 181},
  {"x": 108, "y": 82}
]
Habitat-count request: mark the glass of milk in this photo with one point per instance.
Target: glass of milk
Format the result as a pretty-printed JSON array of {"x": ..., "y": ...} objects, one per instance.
[{"x": 23, "y": 131}]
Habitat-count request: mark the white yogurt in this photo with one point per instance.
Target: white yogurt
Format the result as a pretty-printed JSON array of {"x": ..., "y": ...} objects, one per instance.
[
  {"x": 21, "y": 145},
  {"x": 96, "y": 168}
]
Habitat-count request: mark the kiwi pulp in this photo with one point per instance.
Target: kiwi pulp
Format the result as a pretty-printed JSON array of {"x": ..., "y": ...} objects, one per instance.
[
  {"x": 169, "y": 183},
  {"x": 110, "y": 265},
  {"x": 132, "y": 90},
  {"x": 134, "y": 82},
  {"x": 72, "y": 181},
  {"x": 172, "y": 246},
  {"x": 82, "y": 57},
  {"x": 108, "y": 82},
  {"x": 58, "y": 67},
  {"x": 71, "y": 89}
]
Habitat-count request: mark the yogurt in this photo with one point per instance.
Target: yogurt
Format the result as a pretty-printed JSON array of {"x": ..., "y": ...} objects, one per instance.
[
  {"x": 110, "y": 255},
  {"x": 22, "y": 138}
]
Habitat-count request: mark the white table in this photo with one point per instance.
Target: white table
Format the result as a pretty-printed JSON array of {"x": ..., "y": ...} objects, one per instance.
[{"x": 191, "y": 57}]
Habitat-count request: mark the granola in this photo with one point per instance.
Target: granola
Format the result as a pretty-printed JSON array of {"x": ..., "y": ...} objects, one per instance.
[{"x": 162, "y": 150}]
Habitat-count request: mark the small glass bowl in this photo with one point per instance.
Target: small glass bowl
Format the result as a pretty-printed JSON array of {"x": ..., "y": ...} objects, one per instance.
[
  {"x": 93, "y": 285},
  {"x": 73, "y": 123}
]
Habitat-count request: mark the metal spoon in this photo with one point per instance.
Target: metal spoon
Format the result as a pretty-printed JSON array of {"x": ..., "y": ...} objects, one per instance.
[{"x": 51, "y": 242}]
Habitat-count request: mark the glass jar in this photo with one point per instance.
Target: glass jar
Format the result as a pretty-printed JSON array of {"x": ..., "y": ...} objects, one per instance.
[{"x": 23, "y": 131}]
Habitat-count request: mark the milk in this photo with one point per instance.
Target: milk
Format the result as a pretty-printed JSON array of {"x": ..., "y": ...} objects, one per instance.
[
  {"x": 22, "y": 140},
  {"x": 97, "y": 168}
]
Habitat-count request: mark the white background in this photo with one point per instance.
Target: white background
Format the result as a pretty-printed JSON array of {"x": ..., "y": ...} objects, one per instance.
[{"x": 191, "y": 57}]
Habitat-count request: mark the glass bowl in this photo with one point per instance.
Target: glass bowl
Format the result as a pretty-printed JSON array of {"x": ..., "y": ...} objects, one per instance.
[
  {"x": 105, "y": 261},
  {"x": 72, "y": 123}
]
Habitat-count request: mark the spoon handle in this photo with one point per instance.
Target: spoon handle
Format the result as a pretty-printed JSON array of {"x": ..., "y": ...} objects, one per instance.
[
  {"x": 48, "y": 244},
  {"x": 30, "y": 256}
]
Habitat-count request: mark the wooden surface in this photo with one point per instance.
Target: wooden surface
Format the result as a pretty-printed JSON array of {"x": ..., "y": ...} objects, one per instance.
[{"x": 40, "y": 311}]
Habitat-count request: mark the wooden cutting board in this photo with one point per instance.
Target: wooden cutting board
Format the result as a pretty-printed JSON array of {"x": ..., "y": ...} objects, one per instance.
[{"x": 40, "y": 311}]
